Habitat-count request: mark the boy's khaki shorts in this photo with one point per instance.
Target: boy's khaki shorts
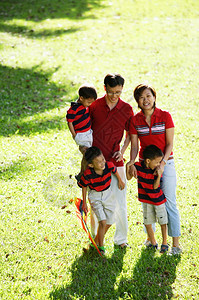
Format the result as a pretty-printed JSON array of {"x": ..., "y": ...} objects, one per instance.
[
  {"x": 103, "y": 205},
  {"x": 84, "y": 138},
  {"x": 152, "y": 213}
]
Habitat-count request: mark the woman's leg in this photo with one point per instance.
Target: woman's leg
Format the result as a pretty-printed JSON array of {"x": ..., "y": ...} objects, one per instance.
[{"x": 168, "y": 185}]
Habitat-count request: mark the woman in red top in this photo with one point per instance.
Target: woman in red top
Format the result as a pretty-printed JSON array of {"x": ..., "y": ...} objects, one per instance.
[{"x": 155, "y": 126}]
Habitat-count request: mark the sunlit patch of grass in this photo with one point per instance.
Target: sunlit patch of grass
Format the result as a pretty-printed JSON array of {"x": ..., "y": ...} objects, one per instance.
[{"x": 47, "y": 50}]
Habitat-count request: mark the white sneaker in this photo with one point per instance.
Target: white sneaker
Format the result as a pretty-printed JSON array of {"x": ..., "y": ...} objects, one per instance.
[{"x": 175, "y": 251}]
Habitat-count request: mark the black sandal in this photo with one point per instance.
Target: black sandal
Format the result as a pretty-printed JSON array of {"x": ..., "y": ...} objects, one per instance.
[{"x": 164, "y": 248}]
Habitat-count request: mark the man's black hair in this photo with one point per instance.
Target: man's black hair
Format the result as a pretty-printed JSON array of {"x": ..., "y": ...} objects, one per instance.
[
  {"x": 152, "y": 152},
  {"x": 91, "y": 153},
  {"x": 113, "y": 80}
]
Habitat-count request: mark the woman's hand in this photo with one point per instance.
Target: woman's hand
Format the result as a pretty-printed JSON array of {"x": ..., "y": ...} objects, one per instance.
[{"x": 131, "y": 170}]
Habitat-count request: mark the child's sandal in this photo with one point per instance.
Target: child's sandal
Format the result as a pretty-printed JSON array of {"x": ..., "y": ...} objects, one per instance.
[
  {"x": 164, "y": 248},
  {"x": 102, "y": 250},
  {"x": 154, "y": 247}
]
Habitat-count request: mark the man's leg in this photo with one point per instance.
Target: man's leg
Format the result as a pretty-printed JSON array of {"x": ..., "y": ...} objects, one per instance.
[{"x": 119, "y": 196}]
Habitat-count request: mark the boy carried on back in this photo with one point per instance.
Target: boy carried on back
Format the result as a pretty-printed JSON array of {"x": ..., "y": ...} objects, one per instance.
[
  {"x": 97, "y": 177},
  {"x": 150, "y": 194},
  {"x": 79, "y": 123}
]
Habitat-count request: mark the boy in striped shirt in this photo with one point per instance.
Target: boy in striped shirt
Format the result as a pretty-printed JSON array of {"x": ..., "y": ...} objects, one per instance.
[
  {"x": 97, "y": 177},
  {"x": 79, "y": 122},
  {"x": 150, "y": 194}
]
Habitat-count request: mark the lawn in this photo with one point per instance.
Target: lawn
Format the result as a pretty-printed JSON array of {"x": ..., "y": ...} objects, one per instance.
[{"x": 47, "y": 50}]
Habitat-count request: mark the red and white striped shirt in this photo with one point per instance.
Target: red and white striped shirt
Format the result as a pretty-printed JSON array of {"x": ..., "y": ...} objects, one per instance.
[{"x": 155, "y": 133}]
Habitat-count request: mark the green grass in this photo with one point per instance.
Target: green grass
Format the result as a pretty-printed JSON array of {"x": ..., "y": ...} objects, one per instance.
[{"x": 47, "y": 49}]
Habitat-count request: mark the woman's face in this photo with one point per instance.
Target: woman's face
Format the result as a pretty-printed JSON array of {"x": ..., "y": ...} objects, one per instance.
[{"x": 146, "y": 100}]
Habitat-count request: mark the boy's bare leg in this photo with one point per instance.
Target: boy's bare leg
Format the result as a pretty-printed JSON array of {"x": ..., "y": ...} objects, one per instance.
[
  {"x": 164, "y": 234},
  {"x": 150, "y": 233},
  {"x": 99, "y": 239}
]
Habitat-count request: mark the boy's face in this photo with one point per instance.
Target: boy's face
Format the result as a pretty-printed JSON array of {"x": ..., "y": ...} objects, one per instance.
[
  {"x": 113, "y": 93},
  {"x": 86, "y": 101},
  {"x": 153, "y": 163},
  {"x": 98, "y": 163}
]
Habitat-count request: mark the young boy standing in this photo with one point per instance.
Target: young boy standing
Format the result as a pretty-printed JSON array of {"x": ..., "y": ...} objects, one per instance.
[
  {"x": 149, "y": 193},
  {"x": 79, "y": 123},
  {"x": 98, "y": 178}
]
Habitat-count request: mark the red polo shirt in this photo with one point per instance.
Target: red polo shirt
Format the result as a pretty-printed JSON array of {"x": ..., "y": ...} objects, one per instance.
[
  {"x": 109, "y": 125},
  {"x": 155, "y": 133}
]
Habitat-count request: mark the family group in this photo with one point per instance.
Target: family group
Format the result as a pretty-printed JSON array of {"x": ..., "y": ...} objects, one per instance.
[{"x": 98, "y": 125}]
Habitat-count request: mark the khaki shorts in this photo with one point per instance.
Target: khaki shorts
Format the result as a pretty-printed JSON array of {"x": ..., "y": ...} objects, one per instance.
[
  {"x": 152, "y": 213},
  {"x": 84, "y": 138},
  {"x": 103, "y": 205}
]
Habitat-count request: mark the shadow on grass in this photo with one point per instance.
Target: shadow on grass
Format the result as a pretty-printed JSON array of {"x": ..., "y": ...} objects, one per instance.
[
  {"x": 37, "y": 11},
  {"x": 26, "y": 93},
  {"x": 153, "y": 277},
  {"x": 29, "y": 31},
  {"x": 93, "y": 277}
]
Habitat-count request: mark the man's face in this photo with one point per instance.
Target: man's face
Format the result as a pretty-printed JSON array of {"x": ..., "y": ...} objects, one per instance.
[{"x": 113, "y": 93}]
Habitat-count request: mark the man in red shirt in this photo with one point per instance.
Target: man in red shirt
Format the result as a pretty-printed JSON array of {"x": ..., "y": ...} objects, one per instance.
[{"x": 110, "y": 116}]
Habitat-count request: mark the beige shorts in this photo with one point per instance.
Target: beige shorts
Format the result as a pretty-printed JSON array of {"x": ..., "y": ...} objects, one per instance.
[
  {"x": 84, "y": 138},
  {"x": 152, "y": 213},
  {"x": 103, "y": 205}
]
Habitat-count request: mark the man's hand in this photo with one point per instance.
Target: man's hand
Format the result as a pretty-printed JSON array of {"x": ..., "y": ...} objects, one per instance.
[{"x": 118, "y": 156}]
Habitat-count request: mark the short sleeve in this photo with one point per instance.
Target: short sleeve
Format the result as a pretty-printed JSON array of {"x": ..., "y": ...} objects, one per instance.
[
  {"x": 111, "y": 167},
  {"x": 169, "y": 121}
]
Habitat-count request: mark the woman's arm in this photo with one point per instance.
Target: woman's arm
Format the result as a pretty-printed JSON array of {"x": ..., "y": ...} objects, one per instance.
[
  {"x": 133, "y": 154},
  {"x": 169, "y": 146}
]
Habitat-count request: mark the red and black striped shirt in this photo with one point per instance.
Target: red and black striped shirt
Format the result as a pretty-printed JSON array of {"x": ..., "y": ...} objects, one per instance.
[
  {"x": 79, "y": 116},
  {"x": 95, "y": 181},
  {"x": 146, "y": 191}
]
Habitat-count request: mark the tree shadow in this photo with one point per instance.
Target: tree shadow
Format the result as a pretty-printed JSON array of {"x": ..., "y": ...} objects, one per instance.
[
  {"x": 37, "y": 11},
  {"x": 153, "y": 277},
  {"x": 25, "y": 94},
  {"x": 30, "y": 32},
  {"x": 47, "y": 9},
  {"x": 93, "y": 277}
]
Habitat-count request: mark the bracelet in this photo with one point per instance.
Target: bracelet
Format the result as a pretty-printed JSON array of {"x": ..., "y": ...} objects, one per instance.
[{"x": 165, "y": 161}]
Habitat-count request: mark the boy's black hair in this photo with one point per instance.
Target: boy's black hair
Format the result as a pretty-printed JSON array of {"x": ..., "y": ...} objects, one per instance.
[
  {"x": 151, "y": 152},
  {"x": 87, "y": 92},
  {"x": 113, "y": 80},
  {"x": 91, "y": 153}
]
